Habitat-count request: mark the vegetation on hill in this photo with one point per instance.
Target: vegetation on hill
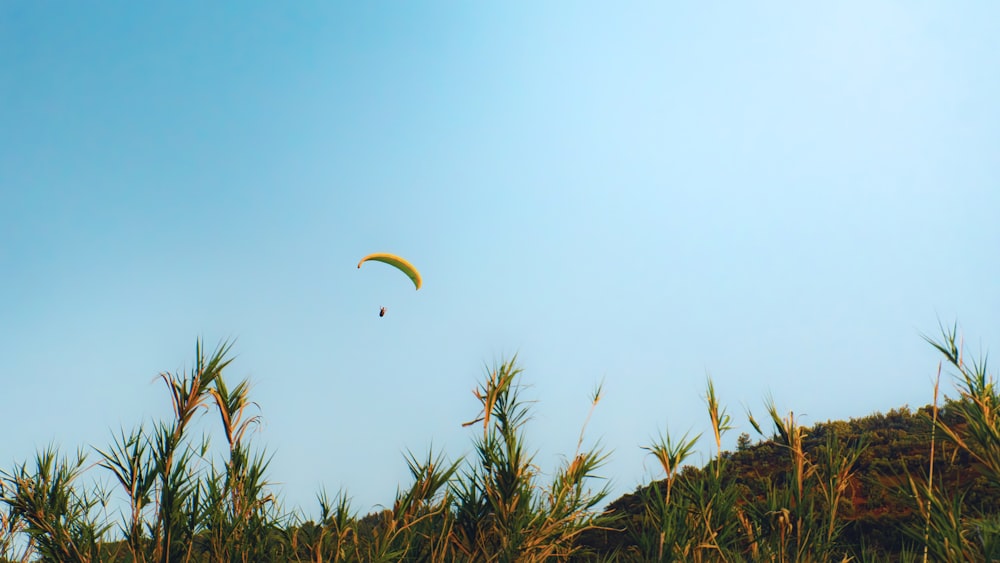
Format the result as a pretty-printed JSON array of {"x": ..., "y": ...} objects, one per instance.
[
  {"x": 908, "y": 485},
  {"x": 878, "y": 512}
]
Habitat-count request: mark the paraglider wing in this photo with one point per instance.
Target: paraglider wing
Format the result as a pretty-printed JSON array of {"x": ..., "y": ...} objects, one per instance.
[{"x": 397, "y": 262}]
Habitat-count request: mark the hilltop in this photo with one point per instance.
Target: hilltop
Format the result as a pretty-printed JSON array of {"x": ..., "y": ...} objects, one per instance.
[{"x": 879, "y": 510}]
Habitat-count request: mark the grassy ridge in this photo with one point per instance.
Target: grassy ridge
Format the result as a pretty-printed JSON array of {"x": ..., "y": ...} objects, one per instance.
[{"x": 905, "y": 486}]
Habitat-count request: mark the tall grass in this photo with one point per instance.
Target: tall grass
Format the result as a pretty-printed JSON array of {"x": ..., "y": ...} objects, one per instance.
[
  {"x": 184, "y": 501},
  {"x": 179, "y": 506},
  {"x": 706, "y": 515},
  {"x": 700, "y": 521},
  {"x": 58, "y": 519},
  {"x": 502, "y": 511},
  {"x": 491, "y": 507},
  {"x": 951, "y": 532}
]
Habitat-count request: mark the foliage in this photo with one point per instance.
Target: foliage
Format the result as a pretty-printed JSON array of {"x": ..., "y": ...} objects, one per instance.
[
  {"x": 864, "y": 489},
  {"x": 901, "y": 486}
]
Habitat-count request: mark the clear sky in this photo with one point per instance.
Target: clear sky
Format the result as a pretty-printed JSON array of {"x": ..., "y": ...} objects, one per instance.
[{"x": 784, "y": 197}]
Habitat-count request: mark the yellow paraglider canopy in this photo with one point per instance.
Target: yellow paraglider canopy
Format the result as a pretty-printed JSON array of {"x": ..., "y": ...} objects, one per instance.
[{"x": 396, "y": 261}]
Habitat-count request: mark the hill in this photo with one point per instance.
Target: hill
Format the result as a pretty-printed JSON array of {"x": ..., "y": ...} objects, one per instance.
[{"x": 879, "y": 514}]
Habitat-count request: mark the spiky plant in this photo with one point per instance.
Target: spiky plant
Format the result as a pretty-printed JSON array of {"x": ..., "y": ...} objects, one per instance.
[
  {"x": 239, "y": 516},
  {"x": 663, "y": 534},
  {"x": 334, "y": 538},
  {"x": 700, "y": 520},
  {"x": 129, "y": 460},
  {"x": 950, "y": 531},
  {"x": 11, "y": 528},
  {"x": 978, "y": 406},
  {"x": 802, "y": 517},
  {"x": 179, "y": 508},
  {"x": 58, "y": 518},
  {"x": 501, "y": 512},
  {"x": 714, "y": 493},
  {"x": 836, "y": 475},
  {"x": 421, "y": 515}
]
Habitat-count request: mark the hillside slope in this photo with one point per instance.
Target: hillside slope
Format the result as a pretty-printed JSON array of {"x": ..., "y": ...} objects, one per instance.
[{"x": 879, "y": 511}]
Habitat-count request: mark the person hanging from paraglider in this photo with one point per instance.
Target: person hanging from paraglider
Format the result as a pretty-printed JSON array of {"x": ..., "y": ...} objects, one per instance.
[{"x": 398, "y": 263}]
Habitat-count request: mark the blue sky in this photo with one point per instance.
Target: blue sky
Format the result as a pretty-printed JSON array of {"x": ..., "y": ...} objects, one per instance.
[{"x": 784, "y": 197}]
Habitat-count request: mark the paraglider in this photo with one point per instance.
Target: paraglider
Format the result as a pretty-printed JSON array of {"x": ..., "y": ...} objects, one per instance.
[{"x": 401, "y": 264}]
